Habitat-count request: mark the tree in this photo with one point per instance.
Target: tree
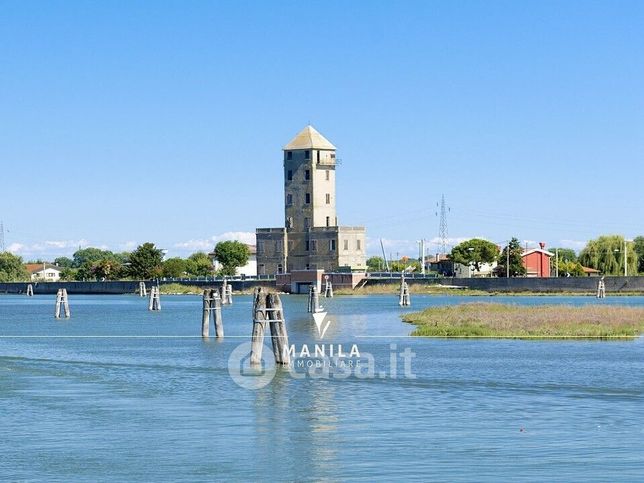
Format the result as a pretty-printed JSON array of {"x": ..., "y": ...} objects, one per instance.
[
  {"x": 375, "y": 264},
  {"x": 638, "y": 247},
  {"x": 69, "y": 273},
  {"x": 64, "y": 262},
  {"x": 570, "y": 269},
  {"x": 565, "y": 254},
  {"x": 174, "y": 267},
  {"x": 516, "y": 261},
  {"x": 107, "y": 269},
  {"x": 231, "y": 255},
  {"x": 85, "y": 261},
  {"x": 11, "y": 268},
  {"x": 606, "y": 254},
  {"x": 475, "y": 252},
  {"x": 89, "y": 256},
  {"x": 200, "y": 265},
  {"x": 146, "y": 262}
]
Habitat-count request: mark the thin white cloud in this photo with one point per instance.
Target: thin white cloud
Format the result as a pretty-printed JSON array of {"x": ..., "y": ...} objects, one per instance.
[
  {"x": 574, "y": 244},
  {"x": 208, "y": 244},
  {"x": 128, "y": 246},
  {"x": 50, "y": 249},
  {"x": 242, "y": 236}
]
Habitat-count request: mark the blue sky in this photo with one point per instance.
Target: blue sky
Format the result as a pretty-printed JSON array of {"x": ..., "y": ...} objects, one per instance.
[{"x": 126, "y": 122}]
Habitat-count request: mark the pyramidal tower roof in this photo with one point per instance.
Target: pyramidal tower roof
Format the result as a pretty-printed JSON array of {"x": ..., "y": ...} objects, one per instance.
[{"x": 309, "y": 138}]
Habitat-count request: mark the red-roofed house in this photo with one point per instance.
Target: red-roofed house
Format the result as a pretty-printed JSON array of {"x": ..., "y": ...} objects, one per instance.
[
  {"x": 537, "y": 261},
  {"x": 44, "y": 271}
]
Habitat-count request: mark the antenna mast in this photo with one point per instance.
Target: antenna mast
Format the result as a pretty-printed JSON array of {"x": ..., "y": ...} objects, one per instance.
[{"x": 442, "y": 227}]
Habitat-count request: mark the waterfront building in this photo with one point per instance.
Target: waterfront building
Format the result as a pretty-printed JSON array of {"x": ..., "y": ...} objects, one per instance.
[
  {"x": 43, "y": 272},
  {"x": 537, "y": 261},
  {"x": 311, "y": 238}
]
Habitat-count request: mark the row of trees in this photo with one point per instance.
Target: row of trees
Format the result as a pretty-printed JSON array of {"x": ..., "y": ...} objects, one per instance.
[
  {"x": 608, "y": 254},
  {"x": 146, "y": 262}
]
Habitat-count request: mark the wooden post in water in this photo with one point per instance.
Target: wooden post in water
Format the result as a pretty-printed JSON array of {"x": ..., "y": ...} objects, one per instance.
[
  {"x": 215, "y": 305},
  {"x": 30, "y": 290},
  {"x": 328, "y": 288},
  {"x": 404, "y": 300},
  {"x": 229, "y": 294},
  {"x": 143, "y": 291},
  {"x": 314, "y": 299},
  {"x": 155, "y": 298},
  {"x": 279, "y": 335},
  {"x": 226, "y": 293},
  {"x": 310, "y": 305},
  {"x": 601, "y": 288},
  {"x": 259, "y": 326},
  {"x": 205, "y": 316},
  {"x": 62, "y": 302}
]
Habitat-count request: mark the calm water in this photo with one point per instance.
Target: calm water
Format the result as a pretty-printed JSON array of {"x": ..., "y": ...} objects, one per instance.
[{"x": 93, "y": 403}]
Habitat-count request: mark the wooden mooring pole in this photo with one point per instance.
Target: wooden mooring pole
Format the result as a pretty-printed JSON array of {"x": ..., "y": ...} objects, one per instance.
[
  {"x": 155, "y": 298},
  {"x": 30, "y": 290},
  {"x": 268, "y": 308},
  {"x": 62, "y": 302},
  {"x": 279, "y": 336},
  {"x": 328, "y": 287},
  {"x": 404, "y": 300},
  {"x": 226, "y": 293},
  {"x": 143, "y": 291},
  {"x": 314, "y": 299},
  {"x": 259, "y": 326},
  {"x": 212, "y": 303},
  {"x": 601, "y": 288}
]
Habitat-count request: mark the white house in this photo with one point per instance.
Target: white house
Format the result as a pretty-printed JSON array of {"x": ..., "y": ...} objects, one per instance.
[
  {"x": 248, "y": 270},
  {"x": 468, "y": 271},
  {"x": 44, "y": 272}
]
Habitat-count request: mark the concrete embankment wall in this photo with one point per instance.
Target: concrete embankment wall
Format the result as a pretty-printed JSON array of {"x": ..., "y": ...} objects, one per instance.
[
  {"x": 121, "y": 287},
  {"x": 520, "y": 284}
]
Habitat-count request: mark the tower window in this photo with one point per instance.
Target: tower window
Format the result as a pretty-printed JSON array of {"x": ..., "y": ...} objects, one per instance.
[
  {"x": 307, "y": 198},
  {"x": 306, "y": 223},
  {"x": 314, "y": 245},
  {"x": 346, "y": 244},
  {"x": 289, "y": 175},
  {"x": 328, "y": 199},
  {"x": 328, "y": 221},
  {"x": 328, "y": 174},
  {"x": 307, "y": 154},
  {"x": 306, "y": 246},
  {"x": 358, "y": 245},
  {"x": 307, "y": 175},
  {"x": 289, "y": 199},
  {"x": 318, "y": 155},
  {"x": 331, "y": 245},
  {"x": 289, "y": 154}
]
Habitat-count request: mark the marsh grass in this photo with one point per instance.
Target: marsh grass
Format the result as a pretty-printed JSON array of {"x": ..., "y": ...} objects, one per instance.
[
  {"x": 517, "y": 321},
  {"x": 394, "y": 289}
]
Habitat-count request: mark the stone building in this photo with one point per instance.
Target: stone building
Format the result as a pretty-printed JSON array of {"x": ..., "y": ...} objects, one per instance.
[{"x": 311, "y": 238}]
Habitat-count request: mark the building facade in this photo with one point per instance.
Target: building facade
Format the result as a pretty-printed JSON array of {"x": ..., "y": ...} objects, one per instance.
[
  {"x": 248, "y": 270},
  {"x": 43, "y": 272},
  {"x": 311, "y": 238},
  {"x": 537, "y": 261}
]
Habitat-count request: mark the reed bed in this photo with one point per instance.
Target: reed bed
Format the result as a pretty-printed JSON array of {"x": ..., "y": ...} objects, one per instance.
[{"x": 521, "y": 321}]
